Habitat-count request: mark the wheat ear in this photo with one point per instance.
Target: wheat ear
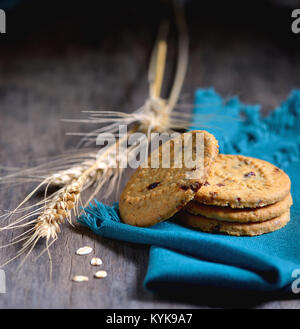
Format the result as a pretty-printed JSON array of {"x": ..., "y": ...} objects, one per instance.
[
  {"x": 59, "y": 208},
  {"x": 153, "y": 116}
]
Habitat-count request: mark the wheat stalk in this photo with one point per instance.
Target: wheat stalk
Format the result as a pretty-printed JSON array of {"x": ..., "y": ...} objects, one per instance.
[{"x": 154, "y": 115}]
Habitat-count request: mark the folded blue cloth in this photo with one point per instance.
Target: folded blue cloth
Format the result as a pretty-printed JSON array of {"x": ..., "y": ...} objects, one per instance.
[{"x": 185, "y": 258}]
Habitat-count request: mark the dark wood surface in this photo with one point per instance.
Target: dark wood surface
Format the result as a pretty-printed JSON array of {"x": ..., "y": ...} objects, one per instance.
[{"x": 62, "y": 68}]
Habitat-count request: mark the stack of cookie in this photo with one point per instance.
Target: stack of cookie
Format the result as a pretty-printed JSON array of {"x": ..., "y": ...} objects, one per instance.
[
  {"x": 242, "y": 196},
  {"x": 236, "y": 195}
]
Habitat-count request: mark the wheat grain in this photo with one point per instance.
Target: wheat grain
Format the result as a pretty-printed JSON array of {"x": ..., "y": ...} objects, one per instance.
[
  {"x": 47, "y": 224},
  {"x": 66, "y": 176}
]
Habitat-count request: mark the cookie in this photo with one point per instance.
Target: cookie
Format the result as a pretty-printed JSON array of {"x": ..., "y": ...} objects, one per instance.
[
  {"x": 238, "y": 229},
  {"x": 241, "y": 215},
  {"x": 242, "y": 182},
  {"x": 155, "y": 194}
]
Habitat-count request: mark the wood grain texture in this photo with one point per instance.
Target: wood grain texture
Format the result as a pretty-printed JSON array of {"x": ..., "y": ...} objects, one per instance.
[{"x": 59, "y": 70}]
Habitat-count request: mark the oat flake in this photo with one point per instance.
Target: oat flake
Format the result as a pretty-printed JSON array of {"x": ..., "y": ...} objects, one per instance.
[
  {"x": 84, "y": 250},
  {"x": 80, "y": 278},
  {"x": 95, "y": 261},
  {"x": 101, "y": 274}
]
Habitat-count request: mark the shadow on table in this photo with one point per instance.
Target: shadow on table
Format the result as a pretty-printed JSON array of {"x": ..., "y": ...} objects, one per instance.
[{"x": 219, "y": 297}]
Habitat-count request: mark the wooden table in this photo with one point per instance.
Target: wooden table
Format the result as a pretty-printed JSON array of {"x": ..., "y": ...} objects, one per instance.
[{"x": 53, "y": 69}]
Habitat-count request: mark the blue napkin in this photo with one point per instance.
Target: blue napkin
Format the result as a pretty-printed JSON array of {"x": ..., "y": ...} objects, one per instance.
[{"x": 183, "y": 259}]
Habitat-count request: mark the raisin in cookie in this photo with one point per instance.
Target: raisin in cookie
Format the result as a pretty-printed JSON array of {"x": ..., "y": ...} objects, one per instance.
[{"x": 155, "y": 194}]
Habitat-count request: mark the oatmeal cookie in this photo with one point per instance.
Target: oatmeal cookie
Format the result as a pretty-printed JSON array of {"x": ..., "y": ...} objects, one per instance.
[
  {"x": 242, "y": 182},
  {"x": 241, "y": 215},
  {"x": 155, "y": 194},
  {"x": 238, "y": 229}
]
